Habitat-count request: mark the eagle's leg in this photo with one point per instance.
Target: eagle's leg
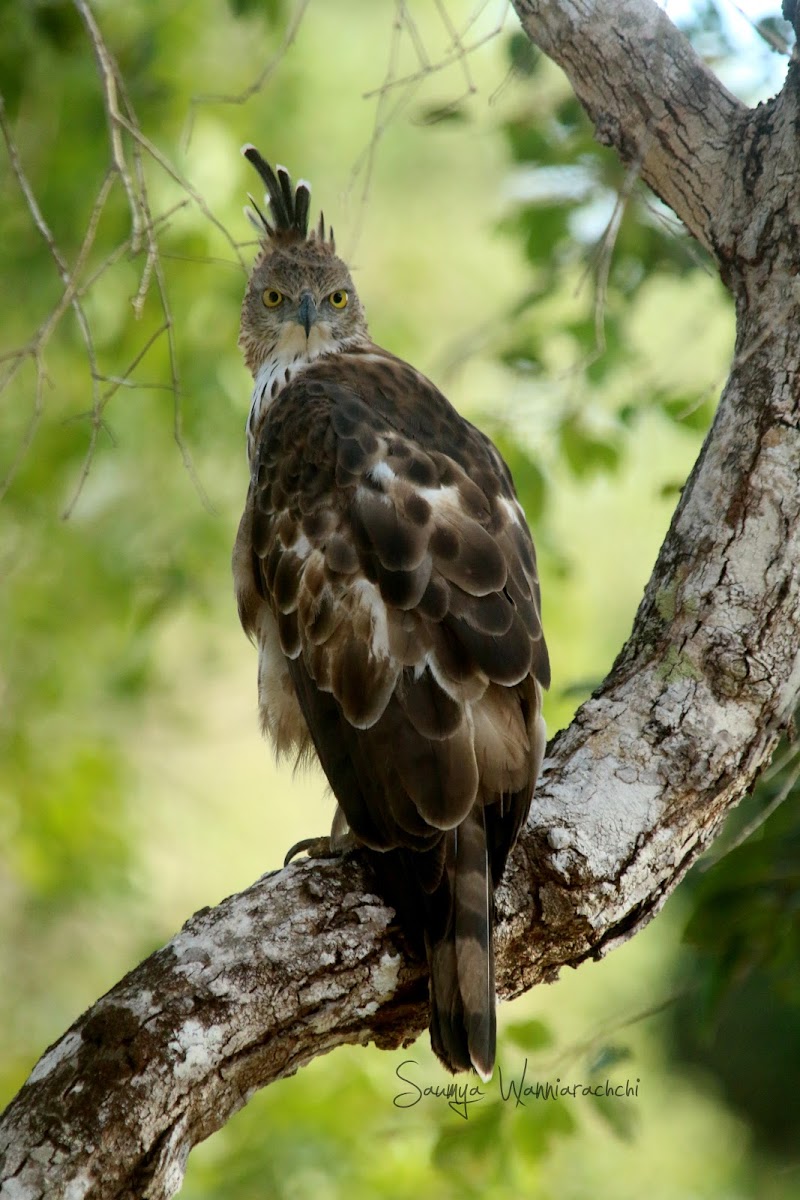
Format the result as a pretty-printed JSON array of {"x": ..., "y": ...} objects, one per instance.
[{"x": 340, "y": 841}]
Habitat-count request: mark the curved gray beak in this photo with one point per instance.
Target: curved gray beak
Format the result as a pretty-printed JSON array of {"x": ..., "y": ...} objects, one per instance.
[{"x": 307, "y": 312}]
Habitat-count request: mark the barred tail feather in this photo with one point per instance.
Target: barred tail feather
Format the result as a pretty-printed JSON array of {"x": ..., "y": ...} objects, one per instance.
[{"x": 463, "y": 1020}]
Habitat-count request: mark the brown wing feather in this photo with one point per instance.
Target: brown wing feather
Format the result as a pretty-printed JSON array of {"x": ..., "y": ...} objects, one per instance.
[{"x": 384, "y": 548}]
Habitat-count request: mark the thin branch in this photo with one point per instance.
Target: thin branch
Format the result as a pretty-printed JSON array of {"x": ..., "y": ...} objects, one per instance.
[
  {"x": 407, "y": 22},
  {"x": 213, "y": 260},
  {"x": 27, "y": 439},
  {"x": 144, "y": 232},
  {"x": 386, "y": 112},
  {"x": 582, "y": 1047},
  {"x": 753, "y": 826},
  {"x": 110, "y": 77},
  {"x": 605, "y": 253},
  {"x": 98, "y": 423},
  {"x": 159, "y": 223},
  {"x": 366, "y": 160},
  {"x": 762, "y": 30},
  {"x": 458, "y": 46},
  {"x": 257, "y": 84},
  {"x": 177, "y": 425},
  {"x": 190, "y": 190},
  {"x": 69, "y": 299},
  {"x": 447, "y": 60}
]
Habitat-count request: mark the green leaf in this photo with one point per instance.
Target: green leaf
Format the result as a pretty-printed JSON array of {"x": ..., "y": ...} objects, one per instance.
[
  {"x": 620, "y": 1115},
  {"x": 523, "y": 56},
  {"x": 73, "y": 835},
  {"x": 544, "y": 227},
  {"x": 528, "y": 142},
  {"x": 441, "y": 114},
  {"x": 692, "y": 412},
  {"x": 463, "y": 1142},
  {"x": 530, "y": 1036},
  {"x": 59, "y": 24},
  {"x": 273, "y": 10},
  {"x": 522, "y": 357},
  {"x": 539, "y": 1124},
  {"x": 570, "y": 114},
  {"x": 585, "y": 453},
  {"x": 608, "y": 1056}
]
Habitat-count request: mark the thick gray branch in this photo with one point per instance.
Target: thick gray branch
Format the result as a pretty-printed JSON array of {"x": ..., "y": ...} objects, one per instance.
[
  {"x": 307, "y": 959},
  {"x": 649, "y": 96}
]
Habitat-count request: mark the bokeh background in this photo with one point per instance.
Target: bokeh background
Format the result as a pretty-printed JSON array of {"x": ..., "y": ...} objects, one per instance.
[{"x": 559, "y": 305}]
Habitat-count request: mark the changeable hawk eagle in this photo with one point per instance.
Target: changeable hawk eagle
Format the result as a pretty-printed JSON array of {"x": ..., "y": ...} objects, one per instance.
[{"x": 384, "y": 567}]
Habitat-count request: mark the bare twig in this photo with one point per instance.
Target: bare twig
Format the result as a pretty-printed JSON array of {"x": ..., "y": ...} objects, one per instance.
[
  {"x": 600, "y": 1036},
  {"x": 768, "y": 35},
  {"x": 127, "y": 148},
  {"x": 183, "y": 182},
  {"x": 257, "y": 84},
  {"x": 69, "y": 299},
  {"x": 157, "y": 266},
  {"x": 98, "y": 423},
  {"x": 387, "y": 113},
  {"x": 26, "y": 441},
  {"x": 458, "y": 46},
  {"x": 159, "y": 224},
  {"x": 455, "y": 55},
  {"x": 110, "y": 78},
  {"x": 604, "y": 251},
  {"x": 753, "y": 826}
]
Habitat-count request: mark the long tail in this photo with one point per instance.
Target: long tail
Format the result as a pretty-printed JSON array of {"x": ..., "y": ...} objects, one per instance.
[{"x": 461, "y": 955}]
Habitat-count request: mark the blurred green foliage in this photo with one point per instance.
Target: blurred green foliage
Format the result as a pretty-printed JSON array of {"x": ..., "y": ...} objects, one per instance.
[
  {"x": 591, "y": 339},
  {"x": 586, "y": 224},
  {"x": 739, "y": 1017}
]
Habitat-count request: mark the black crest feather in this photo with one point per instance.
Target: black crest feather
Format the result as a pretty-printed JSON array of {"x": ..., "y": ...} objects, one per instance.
[{"x": 288, "y": 206}]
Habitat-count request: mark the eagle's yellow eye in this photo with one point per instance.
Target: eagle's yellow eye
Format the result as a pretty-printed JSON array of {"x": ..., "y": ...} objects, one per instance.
[
  {"x": 272, "y": 297},
  {"x": 338, "y": 299}
]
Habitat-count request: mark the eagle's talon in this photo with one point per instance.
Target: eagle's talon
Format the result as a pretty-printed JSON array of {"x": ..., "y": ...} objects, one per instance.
[{"x": 314, "y": 847}]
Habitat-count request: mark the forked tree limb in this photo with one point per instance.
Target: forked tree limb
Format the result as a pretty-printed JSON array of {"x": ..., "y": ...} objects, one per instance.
[{"x": 308, "y": 958}]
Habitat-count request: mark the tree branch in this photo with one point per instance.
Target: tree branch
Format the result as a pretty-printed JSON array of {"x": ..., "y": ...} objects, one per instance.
[
  {"x": 307, "y": 958},
  {"x": 649, "y": 96}
]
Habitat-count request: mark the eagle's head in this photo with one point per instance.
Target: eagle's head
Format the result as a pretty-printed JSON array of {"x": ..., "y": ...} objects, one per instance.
[{"x": 300, "y": 299}]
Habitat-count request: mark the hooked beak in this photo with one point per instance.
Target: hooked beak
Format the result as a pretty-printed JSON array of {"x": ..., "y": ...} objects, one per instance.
[{"x": 307, "y": 312}]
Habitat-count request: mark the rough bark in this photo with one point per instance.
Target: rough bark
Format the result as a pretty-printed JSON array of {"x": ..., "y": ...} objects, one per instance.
[{"x": 308, "y": 958}]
